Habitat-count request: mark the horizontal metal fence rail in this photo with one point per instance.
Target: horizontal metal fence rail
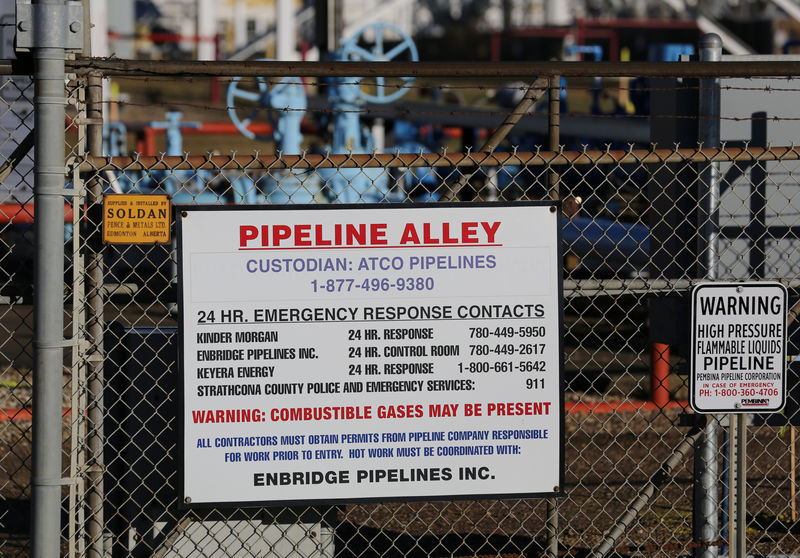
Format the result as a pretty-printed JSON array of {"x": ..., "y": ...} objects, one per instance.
[
  {"x": 402, "y": 160},
  {"x": 467, "y": 70}
]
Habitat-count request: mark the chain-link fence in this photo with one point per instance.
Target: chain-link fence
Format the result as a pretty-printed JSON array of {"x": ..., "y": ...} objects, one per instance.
[
  {"x": 17, "y": 279},
  {"x": 651, "y": 207}
]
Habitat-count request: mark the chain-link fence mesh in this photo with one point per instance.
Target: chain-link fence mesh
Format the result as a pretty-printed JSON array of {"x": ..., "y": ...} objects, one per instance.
[
  {"x": 17, "y": 248},
  {"x": 636, "y": 238}
]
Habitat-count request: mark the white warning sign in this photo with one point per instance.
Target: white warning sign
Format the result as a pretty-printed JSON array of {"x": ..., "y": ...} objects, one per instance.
[
  {"x": 738, "y": 355},
  {"x": 334, "y": 353}
]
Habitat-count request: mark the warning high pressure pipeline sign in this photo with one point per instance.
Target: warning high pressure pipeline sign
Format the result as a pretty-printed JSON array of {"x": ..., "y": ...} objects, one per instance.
[
  {"x": 351, "y": 353},
  {"x": 738, "y": 354}
]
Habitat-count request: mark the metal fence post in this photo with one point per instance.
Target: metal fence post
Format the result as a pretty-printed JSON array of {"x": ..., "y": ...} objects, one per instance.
[
  {"x": 737, "y": 480},
  {"x": 709, "y": 136},
  {"x": 49, "y": 105},
  {"x": 553, "y": 143},
  {"x": 95, "y": 326},
  {"x": 706, "y": 471}
]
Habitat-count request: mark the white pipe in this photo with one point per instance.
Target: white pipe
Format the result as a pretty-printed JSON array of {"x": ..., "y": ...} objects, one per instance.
[
  {"x": 99, "y": 30},
  {"x": 285, "y": 31},
  {"x": 788, "y": 6},
  {"x": 206, "y": 30},
  {"x": 239, "y": 24},
  {"x": 260, "y": 43},
  {"x": 386, "y": 11},
  {"x": 557, "y": 12}
]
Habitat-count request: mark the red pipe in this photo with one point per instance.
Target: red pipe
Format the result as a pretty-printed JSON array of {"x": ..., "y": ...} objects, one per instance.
[
  {"x": 162, "y": 37},
  {"x": 659, "y": 374},
  {"x": 149, "y": 141},
  {"x": 140, "y": 142},
  {"x": 22, "y": 214},
  {"x": 25, "y": 413},
  {"x": 10, "y": 415},
  {"x": 258, "y": 128},
  {"x": 602, "y": 407},
  {"x": 215, "y": 84},
  {"x": 495, "y": 41}
]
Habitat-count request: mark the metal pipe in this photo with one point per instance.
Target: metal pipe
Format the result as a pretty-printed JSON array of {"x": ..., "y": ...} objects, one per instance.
[
  {"x": 206, "y": 30},
  {"x": 793, "y": 471},
  {"x": 553, "y": 144},
  {"x": 551, "y": 551},
  {"x": 705, "y": 524},
  {"x": 438, "y": 70},
  {"x": 285, "y": 30},
  {"x": 95, "y": 327},
  {"x": 709, "y": 136},
  {"x": 648, "y": 491},
  {"x": 659, "y": 374},
  {"x": 531, "y": 97},
  {"x": 741, "y": 481},
  {"x": 705, "y": 519},
  {"x": 16, "y": 156},
  {"x": 792, "y": 441},
  {"x": 725, "y": 489},
  {"x": 737, "y": 480},
  {"x": 472, "y": 159},
  {"x": 49, "y": 114}
]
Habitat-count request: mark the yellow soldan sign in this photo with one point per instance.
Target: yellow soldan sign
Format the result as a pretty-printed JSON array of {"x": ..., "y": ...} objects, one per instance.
[{"x": 136, "y": 219}]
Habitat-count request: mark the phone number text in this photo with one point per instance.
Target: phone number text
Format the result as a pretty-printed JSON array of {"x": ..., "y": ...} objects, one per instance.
[{"x": 373, "y": 284}]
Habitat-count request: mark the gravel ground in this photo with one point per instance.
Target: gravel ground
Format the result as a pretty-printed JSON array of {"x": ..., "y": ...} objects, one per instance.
[{"x": 609, "y": 458}]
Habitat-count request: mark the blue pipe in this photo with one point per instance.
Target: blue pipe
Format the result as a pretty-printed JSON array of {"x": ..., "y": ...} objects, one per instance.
[{"x": 621, "y": 246}]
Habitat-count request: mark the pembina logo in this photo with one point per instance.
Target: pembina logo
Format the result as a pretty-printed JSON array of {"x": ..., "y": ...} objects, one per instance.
[{"x": 754, "y": 402}]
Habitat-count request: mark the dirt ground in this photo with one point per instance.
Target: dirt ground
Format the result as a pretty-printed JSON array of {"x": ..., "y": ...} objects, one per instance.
[{"x": 609, "y": 459}]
